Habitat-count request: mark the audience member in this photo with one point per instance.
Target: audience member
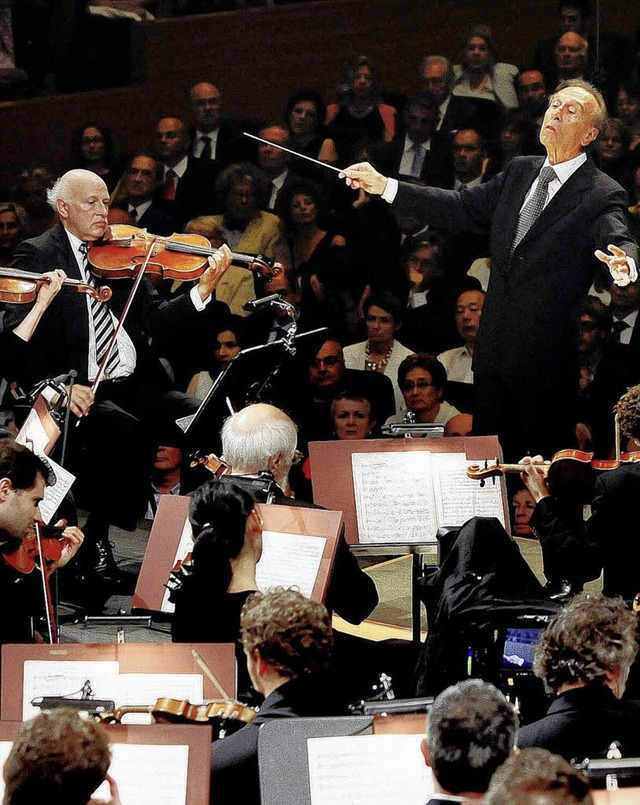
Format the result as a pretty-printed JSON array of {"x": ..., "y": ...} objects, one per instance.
[
  {"x": 352, "y": 416},
  {"x": 274, "y": 162},
  {"x": 571, "y": 57},
  {"x": 187, "y": 185},
  {"x": 224, "y": 343},
  {"x": 536, "y": 777},
  {"x": 518, "y": 137},
  {"x": 92, "y": 149},
  {"x": 58, "y": 757},
  {"x": 470, "y": 159},
  {"x": 533, "y": 96},
  {"x": 522, "y": 506},
  {"x": 137, "y": 194},
  {"x": 422, "y": 378},
  {"x": 360, "y": 116},
  {"x": 627, "y": 106},
  {"x": 246, "y": 227},
  {"x": 305, "y": 114},
  {"x": 380, "y": 352},
  {"x": 471, "y": 731},
  {"x": 458, "y": 361},
  {"x": 481, "y": 75},
  {"x": 31, "y": 192},
  {"x": 584, "y": 657},
  {"x": 212, "y": 139},
  {"x": 287, "y": 641},
  {"x": 458, "y": 111},
  {"x": 14, "y": 228}
]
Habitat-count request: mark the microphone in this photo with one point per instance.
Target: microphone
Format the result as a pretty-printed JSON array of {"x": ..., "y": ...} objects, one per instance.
[{"x": 258, "y": 303}]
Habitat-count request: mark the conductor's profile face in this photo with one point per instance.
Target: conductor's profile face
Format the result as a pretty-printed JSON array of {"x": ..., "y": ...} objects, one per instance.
[{"x": 568, "y": 127}]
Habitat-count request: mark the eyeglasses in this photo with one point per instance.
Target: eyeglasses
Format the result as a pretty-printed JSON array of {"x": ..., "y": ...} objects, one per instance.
[
  {"x": 409, "y": 385},
  {"x": 331, "y": 360}
]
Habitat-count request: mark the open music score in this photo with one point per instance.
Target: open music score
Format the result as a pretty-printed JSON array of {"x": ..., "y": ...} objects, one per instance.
[
  {"x": 168, "y": 758},
  {"x": 299, "y": 547},
  {"x": 400, "y": 491}
]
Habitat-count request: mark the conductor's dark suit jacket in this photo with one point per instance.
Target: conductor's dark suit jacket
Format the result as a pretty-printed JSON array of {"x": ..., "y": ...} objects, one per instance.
[{"x": 527, "y": 341}]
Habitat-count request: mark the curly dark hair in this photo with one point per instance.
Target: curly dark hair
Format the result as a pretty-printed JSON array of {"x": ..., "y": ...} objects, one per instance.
[
  {"x": 590, "y": 637},
  {"x": 57, "y": 758},
  {"x": 313, "y": 96},
  {"x": 471, "y": 731},
  {"x": 628, "y": 410},
  {"x": 242, "y": 172},
  {"x": 292, "y": 633},
  {"x": 218, "y": 514},
  {"x": 537, "y": 777}
]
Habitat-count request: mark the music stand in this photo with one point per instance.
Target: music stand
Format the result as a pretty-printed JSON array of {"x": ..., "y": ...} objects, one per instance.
[{"x": 266, "y": 373}]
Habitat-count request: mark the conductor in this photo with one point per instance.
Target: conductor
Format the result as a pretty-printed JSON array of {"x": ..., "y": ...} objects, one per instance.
[{"x": 548, "y": 219}]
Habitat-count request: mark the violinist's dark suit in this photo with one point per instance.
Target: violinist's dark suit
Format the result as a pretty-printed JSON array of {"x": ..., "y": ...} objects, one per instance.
[
  {"x": 525, "y": 364},
  {"x": 115, "y": 445}
]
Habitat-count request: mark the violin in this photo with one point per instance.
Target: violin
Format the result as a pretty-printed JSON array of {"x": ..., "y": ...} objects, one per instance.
[
  {"x": 26, "y": 556},
  {"x": 554, "y": 466},
  {"x": 227, "y": 714},
  {"x": 214, "y": 464},
  {"x": 21, "y": 287},
  {"x": 177, "y": 257}
]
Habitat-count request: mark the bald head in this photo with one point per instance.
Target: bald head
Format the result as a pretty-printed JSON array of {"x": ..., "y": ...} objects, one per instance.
[
  {"x": 81, "y": 200},
  {"x": 260, "y": 438},
  {"x": 571, "y": 55},
  {"x": 206, "y": 102}
]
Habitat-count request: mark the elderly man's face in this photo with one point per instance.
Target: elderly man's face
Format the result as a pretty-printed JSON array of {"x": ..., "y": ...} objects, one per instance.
[
  {"x": 571, "y": 53},
  {"x": 568, "y": 127},
  {"x": 206, "y": 102},
  {"x": 434, "y": 80},
  {"x": 327, "y": 369}
]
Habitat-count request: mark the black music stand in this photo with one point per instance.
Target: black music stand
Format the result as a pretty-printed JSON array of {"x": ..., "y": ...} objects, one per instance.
[{"x": 271, "y": 373}]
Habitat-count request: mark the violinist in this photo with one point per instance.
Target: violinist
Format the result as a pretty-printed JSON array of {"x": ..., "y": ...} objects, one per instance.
[
  {"x": 287, "y": 640},
  {"x": 135, "y": 391},
  {"x": 577, "y": 551},
  {"x": 23, "y": 478},
  {"x": 228, "y": 544}
]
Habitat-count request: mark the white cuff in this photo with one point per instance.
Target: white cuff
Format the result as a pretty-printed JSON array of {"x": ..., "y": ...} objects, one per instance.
[
  {"x": 390, "y": 190},
  {"x": 197, "y": 299}
]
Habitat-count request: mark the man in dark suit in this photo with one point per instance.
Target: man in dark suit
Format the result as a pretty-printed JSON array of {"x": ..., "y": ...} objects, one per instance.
[
  {"x": 545, "y": 226},
  {"x": 471, "y": 731},
  {"x": 419, "y": 152},
  {"x": 213, "y": 139},
  {"x": 188, "y": 184},
  {"x": 584, "y": 656},
  {"x": 75, "y": 332},
  {"x": 143, "y": 178}
]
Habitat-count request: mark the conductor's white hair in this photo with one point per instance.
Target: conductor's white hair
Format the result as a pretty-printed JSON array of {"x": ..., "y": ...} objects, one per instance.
[{"x": 248, "y": 447}]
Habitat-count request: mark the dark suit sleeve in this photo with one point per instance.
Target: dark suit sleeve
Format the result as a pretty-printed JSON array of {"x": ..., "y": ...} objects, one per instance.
[
  {"x": 352, "y": 594},
  {"x": 471, "y": 211},
  {"x": 612, "y": 225}
]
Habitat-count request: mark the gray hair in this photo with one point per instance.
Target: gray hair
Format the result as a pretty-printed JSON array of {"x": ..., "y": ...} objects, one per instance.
[
  {"x": 449, "y": 76},
  {"x": 250, "y": 440}
]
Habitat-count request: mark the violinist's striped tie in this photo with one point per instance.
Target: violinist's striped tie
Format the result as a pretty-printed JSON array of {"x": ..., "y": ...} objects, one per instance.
[
  {"x": 532, "y": 209},
  {"x": 102, "y": 322}
]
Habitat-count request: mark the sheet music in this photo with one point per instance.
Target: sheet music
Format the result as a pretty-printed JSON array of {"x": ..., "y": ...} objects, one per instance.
[
  {"x": 148, "y": 688},
  {"x": 66, "y": 678},
  {"x": 394, "y": 497},
  {"x": 54, "y": 495},
  {"x": 459, "y": 497},
  {"x": 185, "y": 546},
  {"x": 141, "y": 771},
  {"x": 289, "y": 560},
  {"x": 148, "y": 774},
  {"x": 368, "y": 770}
]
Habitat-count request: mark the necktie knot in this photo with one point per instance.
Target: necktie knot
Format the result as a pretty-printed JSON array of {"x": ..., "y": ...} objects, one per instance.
[{"x": 547, "y": 175}]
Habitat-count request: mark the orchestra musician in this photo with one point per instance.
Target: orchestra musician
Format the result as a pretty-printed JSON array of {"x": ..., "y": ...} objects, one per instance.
[
  {"x": 23, "y": 478},
  {"x": 135, "y": 390},
  {"x": 546, "y": 218},
  {"x": 577, "y": 551},
  {"x": 287, "y": 641}
]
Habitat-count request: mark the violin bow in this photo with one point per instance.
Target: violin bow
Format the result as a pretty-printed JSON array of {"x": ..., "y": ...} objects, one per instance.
[
  {"x": 210, "y": 675},
  {"x": 52, "y": 626},
  {"x": 118, "y": 327},
  {"x": 295, "y": 153}
]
